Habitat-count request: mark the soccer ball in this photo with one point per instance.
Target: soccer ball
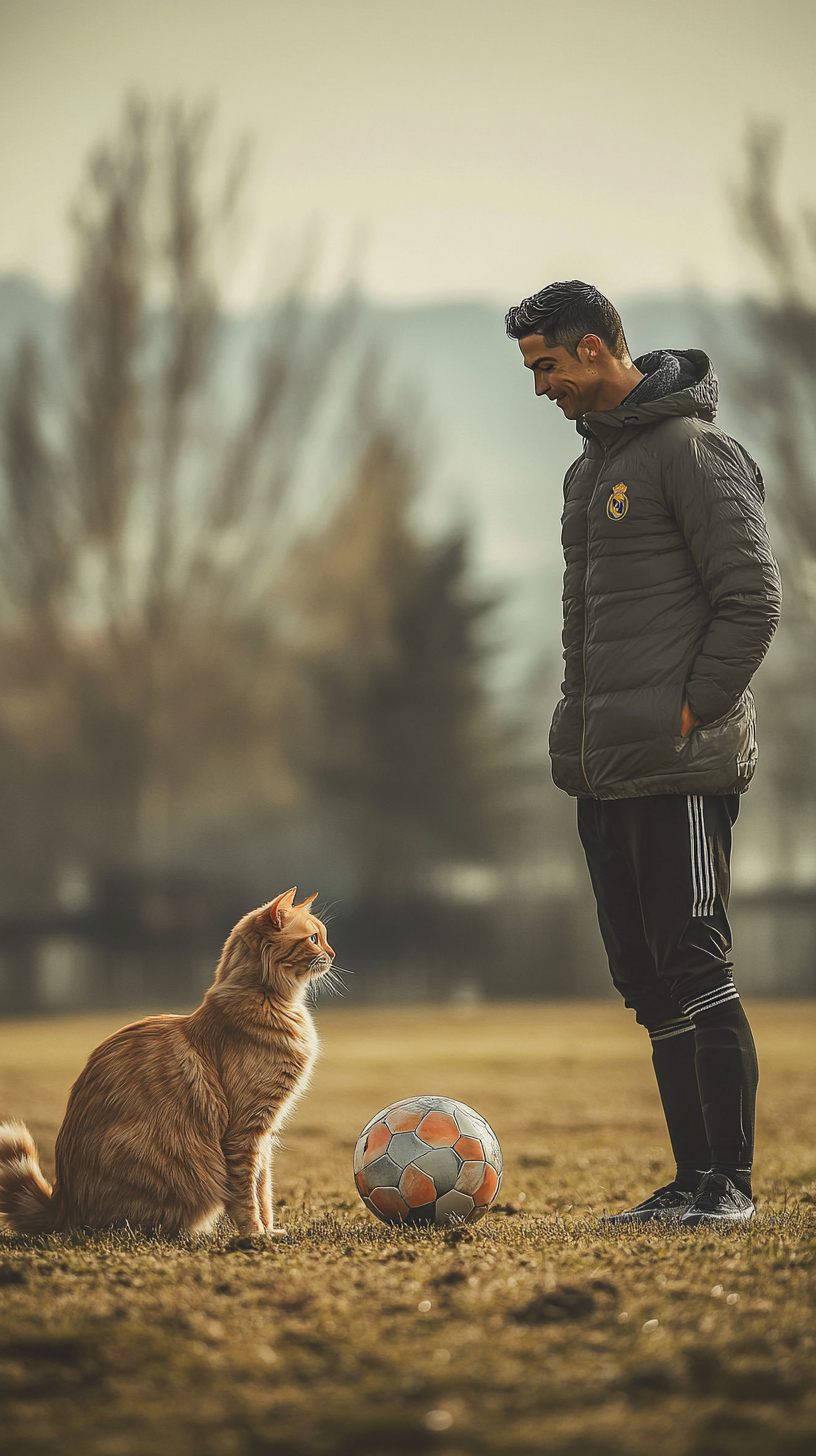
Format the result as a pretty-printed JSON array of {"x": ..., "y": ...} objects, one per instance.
[{"x": 428, "y": 1160}]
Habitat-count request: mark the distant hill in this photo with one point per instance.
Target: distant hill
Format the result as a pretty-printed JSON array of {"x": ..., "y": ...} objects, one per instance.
[{"x": 497, "y": 454}]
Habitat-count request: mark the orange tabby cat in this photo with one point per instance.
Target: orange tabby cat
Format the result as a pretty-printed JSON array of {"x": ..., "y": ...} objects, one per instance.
[{"x": 173, "y": 1119}]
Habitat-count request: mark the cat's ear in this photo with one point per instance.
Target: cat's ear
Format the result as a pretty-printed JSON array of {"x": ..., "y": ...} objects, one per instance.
[
  {"x": 279, "y": 906},
  {"x": 304, "y": 904}
]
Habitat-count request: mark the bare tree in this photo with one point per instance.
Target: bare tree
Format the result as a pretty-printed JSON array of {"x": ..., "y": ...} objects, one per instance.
[
  {"x": 781, "y": 390},
  {"x": 144, "y": 522},
  {"x": 778, "y": 395},
  {"x": 34, "y": 544}
]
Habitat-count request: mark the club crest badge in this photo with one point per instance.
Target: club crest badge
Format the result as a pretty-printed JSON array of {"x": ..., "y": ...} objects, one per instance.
[{"x": 618, "y": 503}]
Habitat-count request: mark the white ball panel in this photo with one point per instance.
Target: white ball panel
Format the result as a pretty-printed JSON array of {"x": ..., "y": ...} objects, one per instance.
[
  {"x": 442, "y": 1166},
  {"x": 453, "y": 1205},
  {"x": 470, "y": 1125},
  {"x": 437, "y": 1104},
  {"x": 404, "y": 1147}
]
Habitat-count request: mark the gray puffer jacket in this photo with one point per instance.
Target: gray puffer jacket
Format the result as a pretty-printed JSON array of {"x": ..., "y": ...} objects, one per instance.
[{"x": 671, "y": 594}]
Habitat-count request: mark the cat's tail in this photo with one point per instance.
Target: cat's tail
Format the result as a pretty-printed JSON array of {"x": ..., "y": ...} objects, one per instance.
[{"x": 25, "y": 1196}]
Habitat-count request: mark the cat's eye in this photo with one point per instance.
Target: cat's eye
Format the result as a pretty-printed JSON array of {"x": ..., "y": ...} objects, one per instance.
[{"x": 314, "y": 938}]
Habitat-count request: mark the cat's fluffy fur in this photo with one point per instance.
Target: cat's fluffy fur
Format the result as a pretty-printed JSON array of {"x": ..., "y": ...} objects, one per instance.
[{"x": 172, "y": 1121}]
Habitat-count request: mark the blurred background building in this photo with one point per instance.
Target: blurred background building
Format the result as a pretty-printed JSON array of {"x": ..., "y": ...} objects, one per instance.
[{"x": 280, "y": 562}]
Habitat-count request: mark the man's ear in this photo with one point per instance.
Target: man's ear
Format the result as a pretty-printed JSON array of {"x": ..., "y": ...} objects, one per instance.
[
  {"x": 589, "y": 348},
  {"x": 279, "y": 906}
]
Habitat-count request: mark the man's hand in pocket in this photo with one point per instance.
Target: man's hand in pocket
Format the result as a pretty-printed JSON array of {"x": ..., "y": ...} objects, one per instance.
[{"x": 688, "y": 721}]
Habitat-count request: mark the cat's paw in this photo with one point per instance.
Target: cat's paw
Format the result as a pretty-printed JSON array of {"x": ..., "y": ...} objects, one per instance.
[{"x": 257, "y": 1239}]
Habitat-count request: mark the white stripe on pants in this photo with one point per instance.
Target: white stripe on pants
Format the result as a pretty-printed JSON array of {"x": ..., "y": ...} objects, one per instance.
[{"x": 703, "y": 877}]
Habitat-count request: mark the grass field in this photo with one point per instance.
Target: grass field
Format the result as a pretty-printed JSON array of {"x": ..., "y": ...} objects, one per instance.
[{"x": 535, "y": 1331}]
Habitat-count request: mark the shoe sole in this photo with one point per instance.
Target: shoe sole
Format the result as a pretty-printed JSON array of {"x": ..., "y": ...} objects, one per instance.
[
  {"x": 665, "y": 1216},
  {"x": 713, "y": 1220}
]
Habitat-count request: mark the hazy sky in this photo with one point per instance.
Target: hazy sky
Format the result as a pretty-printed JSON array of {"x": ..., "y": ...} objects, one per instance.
[{"x": 487, "y": 146}]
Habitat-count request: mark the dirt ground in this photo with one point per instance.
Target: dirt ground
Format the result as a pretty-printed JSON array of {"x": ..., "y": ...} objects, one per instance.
[{"x": 537, "y": 1331}]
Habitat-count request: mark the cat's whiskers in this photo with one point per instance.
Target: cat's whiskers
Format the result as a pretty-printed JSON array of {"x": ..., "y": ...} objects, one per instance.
[
  {"x": 323, "y": 974},
  {"x": 324, "y": 913}
]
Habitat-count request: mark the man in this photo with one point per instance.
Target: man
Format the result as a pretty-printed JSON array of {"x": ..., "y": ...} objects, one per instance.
[{"x": 671, "y": 598}]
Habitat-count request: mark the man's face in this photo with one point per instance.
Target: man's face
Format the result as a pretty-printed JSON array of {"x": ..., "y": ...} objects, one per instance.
[{"x": 571, "y": 383}]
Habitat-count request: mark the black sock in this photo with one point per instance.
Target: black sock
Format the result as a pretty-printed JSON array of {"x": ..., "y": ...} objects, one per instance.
[
  {"x": 673, "y": 1049},
  {"x": 727, "y": 1073}
]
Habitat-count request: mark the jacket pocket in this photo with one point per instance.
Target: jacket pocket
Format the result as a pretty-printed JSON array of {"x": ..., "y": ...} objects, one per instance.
[{"x": 731, "y": 737}]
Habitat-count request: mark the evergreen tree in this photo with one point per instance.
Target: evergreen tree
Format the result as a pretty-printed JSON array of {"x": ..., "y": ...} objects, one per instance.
[{"x": 400, "y": 729}]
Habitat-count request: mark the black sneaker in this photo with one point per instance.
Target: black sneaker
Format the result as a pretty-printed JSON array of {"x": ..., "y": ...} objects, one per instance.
[
  {"x": 718, "y": 1202},
  {"x": 668, "y": 1202}
]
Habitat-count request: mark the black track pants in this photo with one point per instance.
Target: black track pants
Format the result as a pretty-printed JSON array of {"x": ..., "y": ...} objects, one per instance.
[{"x": 660, "y": 869}]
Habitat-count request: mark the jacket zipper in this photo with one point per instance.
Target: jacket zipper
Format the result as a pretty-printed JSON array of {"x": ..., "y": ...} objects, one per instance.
[{"x": 586, "y": 623}]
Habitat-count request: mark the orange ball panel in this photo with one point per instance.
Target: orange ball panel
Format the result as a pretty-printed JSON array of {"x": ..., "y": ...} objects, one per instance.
[
  {"x": 377, "y": 1141},
  {"x": 416, "y": 1188},
  {"x": 471, "y": 1177},
  {"x": 438, "y": 1129},
  {"x": 489, "y": 1184},
  {"x": 469, "y": 1148},
  {"x": 404, "y": 1121},
  {"x": 389, "y": 1203}
]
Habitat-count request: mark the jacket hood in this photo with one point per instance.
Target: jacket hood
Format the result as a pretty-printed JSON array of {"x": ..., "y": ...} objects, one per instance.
[{"x": 675, "y": 382}]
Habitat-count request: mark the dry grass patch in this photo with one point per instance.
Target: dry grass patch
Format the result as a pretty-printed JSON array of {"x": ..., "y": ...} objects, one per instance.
[{"x": 535, "y": 1331}]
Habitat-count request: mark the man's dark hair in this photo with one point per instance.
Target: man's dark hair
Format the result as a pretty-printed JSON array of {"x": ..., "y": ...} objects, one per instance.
[{"x": 563, "y": 313}]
